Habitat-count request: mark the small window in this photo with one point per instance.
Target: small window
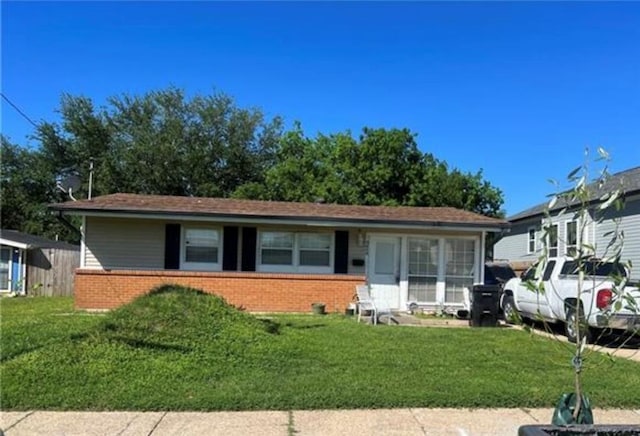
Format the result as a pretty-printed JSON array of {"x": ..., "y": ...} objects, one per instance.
[
  {"x": 552, "y": 240},
  {"x": 531, "y": 243},
  {"x": 277, "y": 248},
  {"x": 572, "y": 238},
  {"x": 201, "y": 248}
]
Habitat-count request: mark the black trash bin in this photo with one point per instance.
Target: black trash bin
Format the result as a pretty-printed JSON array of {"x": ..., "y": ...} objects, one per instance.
[{"x": 485, "y": 302}]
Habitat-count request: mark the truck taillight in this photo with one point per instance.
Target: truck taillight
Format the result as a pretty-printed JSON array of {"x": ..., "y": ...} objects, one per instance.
[{"x": 603, "y": 299}]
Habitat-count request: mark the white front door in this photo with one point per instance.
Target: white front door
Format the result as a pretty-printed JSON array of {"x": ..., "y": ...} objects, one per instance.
[{"x": 384, "y": 270}]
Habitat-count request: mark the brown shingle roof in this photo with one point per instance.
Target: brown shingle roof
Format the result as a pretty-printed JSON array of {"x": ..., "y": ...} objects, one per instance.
[{"x": 225, "y": 207}]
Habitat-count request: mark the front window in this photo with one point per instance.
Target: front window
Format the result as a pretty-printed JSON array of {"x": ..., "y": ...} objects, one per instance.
[
  {"x": 572, "y": 238},
  {"x": 295, "y": 252},
  {"x": 315, "y": 249},
  {"x": 460, "y": 265},
  {"x": 277, "y": 248},
  {"x": 423, "y": 270},
  {"x": 201, "y": 248}
]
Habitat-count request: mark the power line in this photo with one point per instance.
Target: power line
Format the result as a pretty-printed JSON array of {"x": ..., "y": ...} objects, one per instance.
[{"x": 18, "y": 110}]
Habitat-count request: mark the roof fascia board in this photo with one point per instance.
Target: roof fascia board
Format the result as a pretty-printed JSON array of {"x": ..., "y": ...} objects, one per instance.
[
  {"x": 14, "y": 244},
  {"x": 317, "y": 222}
]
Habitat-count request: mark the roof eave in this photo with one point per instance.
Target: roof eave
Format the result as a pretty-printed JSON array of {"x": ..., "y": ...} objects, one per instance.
[
  {"x": 304, "y": 220},
  {"x": 15, "y": 244},
  {"x": 559, "y": 208}
]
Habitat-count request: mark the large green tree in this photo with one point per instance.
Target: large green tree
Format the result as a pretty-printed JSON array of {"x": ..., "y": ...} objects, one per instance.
[
  {"x": 162, "y": 143},
  {"x": 382, "y": 167}
]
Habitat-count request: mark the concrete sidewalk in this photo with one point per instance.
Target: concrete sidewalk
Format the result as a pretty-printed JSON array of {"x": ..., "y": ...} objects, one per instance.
[{"x": 460, "y": 422}]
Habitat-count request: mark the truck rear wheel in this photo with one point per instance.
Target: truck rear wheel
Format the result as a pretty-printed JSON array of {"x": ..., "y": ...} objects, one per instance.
[
  {"x": 509, "y": 309},
  {"x": 570, "y": 326}
]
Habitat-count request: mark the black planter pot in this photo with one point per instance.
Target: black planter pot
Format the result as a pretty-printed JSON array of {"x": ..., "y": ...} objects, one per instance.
[{"x": 579, "y": 429}]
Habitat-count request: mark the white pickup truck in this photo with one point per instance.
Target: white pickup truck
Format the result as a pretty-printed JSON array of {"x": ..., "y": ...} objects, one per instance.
[{"x": 556, "y": 296}]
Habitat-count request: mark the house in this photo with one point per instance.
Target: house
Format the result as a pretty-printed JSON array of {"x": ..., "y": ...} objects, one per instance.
[
  {"x": 34, "y": 265},
  {"x": 276, "y": 256},
  {"x": 522, "y": 245}
]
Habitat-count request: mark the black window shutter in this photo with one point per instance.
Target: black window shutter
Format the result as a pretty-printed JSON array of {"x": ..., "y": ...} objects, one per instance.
[
  {"x": 249, "y": 238},
  {"x": 230, "y": 248},
  {"x": 172, "y": 246},
  {"x": 341, "y": 255}
]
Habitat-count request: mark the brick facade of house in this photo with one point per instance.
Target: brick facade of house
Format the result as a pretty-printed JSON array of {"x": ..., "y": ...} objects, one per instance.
[{"x": 256, "y": 292}]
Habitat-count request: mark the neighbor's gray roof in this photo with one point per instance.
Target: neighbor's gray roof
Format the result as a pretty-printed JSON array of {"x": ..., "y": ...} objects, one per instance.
[
  {"x": 254, "y": 209},
  {"x": 33, "y": 241},
  {"x": 628, "y": 180}
]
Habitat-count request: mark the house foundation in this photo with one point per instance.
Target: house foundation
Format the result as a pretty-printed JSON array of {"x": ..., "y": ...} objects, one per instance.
[{"x": 255, "y": 292}]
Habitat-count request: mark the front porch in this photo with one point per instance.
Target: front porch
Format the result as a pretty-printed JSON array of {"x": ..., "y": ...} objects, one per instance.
[{"x": 431, "y": 272}]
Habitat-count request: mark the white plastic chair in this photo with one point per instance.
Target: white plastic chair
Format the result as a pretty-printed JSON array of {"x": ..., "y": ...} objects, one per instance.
[{"x": 366, "y": 303}]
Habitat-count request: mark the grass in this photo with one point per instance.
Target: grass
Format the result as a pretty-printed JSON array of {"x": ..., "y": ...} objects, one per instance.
[{"x": 181, "y": 349}]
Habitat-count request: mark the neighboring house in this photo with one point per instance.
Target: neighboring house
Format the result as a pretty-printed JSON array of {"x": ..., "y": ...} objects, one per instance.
[
  {"x": 34, "y": 265},
  {"x": 523, "y": 243},
  {"x": 276, "y": 256}
]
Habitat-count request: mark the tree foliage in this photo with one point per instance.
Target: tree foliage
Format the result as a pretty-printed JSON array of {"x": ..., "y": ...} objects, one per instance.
[
  {"x": 164, "y": 142},
  {"x": 382, "y": 167},
  {"x": 28, "y": 186}
]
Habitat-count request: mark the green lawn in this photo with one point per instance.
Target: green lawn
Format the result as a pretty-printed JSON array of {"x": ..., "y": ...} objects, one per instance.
[{"x": 180, "y": 350}]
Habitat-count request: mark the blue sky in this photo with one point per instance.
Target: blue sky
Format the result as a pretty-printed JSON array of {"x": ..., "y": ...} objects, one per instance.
[{"x": 518, "y": 90}]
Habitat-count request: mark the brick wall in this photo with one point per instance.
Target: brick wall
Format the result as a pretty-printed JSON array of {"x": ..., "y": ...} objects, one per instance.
[{"x": 258, "y": 292}]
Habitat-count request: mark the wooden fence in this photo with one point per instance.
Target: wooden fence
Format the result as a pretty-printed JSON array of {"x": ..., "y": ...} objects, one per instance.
[{"x": 51, "y": 271}]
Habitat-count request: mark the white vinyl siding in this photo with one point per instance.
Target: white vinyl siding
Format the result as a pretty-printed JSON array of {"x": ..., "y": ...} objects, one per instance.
[
  {"x": 121, "y": 243},
  {"x": 513, "y": 245},
  {"x": 630, "y": 224}
]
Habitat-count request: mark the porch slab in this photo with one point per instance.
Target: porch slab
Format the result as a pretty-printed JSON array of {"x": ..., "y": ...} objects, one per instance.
[{"x": 404, "y": 318}]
